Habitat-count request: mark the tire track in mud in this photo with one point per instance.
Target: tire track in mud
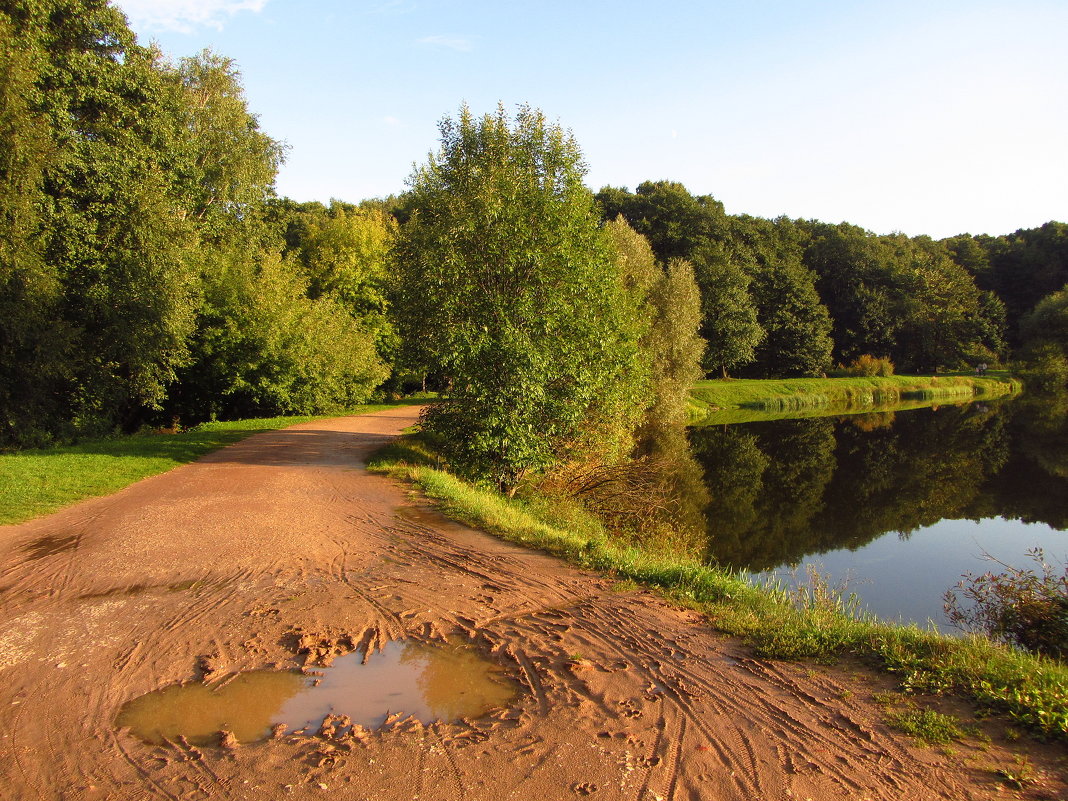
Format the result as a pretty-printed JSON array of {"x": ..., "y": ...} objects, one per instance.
[{"x": 775, "y": 723}]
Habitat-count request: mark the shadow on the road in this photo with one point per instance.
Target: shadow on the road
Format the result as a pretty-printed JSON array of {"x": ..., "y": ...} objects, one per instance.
[{"x": 306, "y": 446}]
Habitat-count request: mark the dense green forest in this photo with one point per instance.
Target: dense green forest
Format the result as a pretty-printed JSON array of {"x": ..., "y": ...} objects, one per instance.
[{"x": 149, "y": 273}]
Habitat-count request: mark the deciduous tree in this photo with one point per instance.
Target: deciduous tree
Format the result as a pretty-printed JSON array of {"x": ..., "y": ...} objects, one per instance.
[{"x": 507, "y": 283}]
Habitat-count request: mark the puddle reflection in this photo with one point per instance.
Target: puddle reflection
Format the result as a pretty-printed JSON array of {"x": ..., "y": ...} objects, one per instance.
[{"x": 428, "y": 682}]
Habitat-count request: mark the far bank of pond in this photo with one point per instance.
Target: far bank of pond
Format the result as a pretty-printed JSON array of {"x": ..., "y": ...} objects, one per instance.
[{"x": 745, "y": 399}]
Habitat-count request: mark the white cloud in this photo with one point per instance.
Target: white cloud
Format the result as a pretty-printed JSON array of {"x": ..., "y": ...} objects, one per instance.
[
  {"x": 185, "y": 15},
  {"x": 451, "y": 42}
]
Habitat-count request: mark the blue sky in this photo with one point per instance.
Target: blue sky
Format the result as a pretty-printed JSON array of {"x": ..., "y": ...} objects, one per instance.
[{"x": 935, "y": 117}]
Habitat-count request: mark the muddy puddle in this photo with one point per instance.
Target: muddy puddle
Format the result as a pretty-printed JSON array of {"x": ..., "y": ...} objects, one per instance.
[{"x": 427, "y": 682}]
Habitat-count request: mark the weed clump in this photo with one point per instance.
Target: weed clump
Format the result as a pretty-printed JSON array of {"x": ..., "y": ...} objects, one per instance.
[
  {"x": 1027, "y": 608},
  {"x": 925, "y": 724}
]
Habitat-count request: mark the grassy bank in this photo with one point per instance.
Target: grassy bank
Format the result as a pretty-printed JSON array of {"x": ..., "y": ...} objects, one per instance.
[
  {"x": 744, "y": 399},
  {"x": 36, "y": 482},
  {"x": 811, "y": 623}
]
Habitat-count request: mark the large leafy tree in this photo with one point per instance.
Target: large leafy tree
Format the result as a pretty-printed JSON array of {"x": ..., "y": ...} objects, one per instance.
[
  {"x": 262, "y": 346},
  {"x": 943, "y": 318},
  {"x": 664, "y": 212},
  {"x": 855, "y": 279},
  {"x": 797, "y": 325},
  {"x": 669, "y": 308},
  {"x": 1022, "y": 267},
  {"x": 33, "y": 342},
  {"x": 729, "y": 318},
  {"x": 226, "y": 165},
  {"x": 101, "y": 244},
  {"x": 272, "y": 335},
  {"x": 1044, "y": 352},
  {"x": 507, "y": 284}
]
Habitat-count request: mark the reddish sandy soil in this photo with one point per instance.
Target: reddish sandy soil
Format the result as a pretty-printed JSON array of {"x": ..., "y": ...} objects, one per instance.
[{"x": 281, "y": 551}]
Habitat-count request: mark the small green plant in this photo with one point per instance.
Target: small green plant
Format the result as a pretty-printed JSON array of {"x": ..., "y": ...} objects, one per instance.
[
  {"x": 887, "y": 699},
  {"x": 1023, "y": 607},
  {"x": 927, "y": 725},
  {"x": 1019, "y": 775}
]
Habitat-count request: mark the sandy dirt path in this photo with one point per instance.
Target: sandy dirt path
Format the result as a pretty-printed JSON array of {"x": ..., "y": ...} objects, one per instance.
[{"x": 281, "y": 549}]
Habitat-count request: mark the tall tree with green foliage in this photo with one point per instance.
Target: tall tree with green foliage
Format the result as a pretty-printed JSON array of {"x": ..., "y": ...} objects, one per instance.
[
  {"x": 943, "y": 317},
  {"x": 675, "y": 345},
  {"x": 104, "y": 237},
  {"x": 1044, "y": 333},
  {"x": 664, "y": 212},
  {"x": 263, "y": 347},
  {"x": 729, "y": 319},
  {"x": 669, "y": 311},
  {"x": 229, "y": 164},
  {"x": 1022, "y": 267},
  {"x": 797, "y": 325},
  {"x": 272, "y": 335},
  {"x": 855, "y": 279},
  {"x": 33, "y": 341},
  {"x": 507, "y": 283}
]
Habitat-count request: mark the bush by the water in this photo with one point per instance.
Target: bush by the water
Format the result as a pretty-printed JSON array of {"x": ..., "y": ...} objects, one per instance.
[
  {"x": 868, "y": 365},
  {"x": 1044, "y": 367},
  {"x": 1023, "y": 607}
]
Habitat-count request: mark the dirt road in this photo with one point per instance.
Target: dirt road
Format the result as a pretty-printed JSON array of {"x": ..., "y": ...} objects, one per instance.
[{"x": 281, "y": 550}]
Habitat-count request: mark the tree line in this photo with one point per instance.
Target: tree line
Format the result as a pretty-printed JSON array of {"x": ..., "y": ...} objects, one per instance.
[
  {"x": 796, "y": 297},
  {"x": 149, "y": 272},
  {"x": 143, "y": 274}
]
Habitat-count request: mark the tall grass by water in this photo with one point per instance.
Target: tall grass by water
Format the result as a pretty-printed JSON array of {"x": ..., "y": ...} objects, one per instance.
[
  {"x": 813, "y": 623},
  {"x": 744, "y": 399}
]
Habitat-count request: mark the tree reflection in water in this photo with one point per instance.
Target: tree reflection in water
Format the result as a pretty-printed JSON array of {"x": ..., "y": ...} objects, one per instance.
[{"x": 780, "y": 491}]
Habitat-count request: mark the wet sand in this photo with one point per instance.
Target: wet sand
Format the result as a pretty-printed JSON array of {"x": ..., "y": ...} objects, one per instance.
[{"x": 282, "y": 553}]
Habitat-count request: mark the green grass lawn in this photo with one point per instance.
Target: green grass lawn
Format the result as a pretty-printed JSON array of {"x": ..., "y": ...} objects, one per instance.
[{"x": 36, "y": 482}]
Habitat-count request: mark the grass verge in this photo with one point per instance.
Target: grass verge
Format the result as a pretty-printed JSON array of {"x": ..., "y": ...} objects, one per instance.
[
  {"x": 36, "y": 482},
  {"x": 813, "y": 623},
  {"x": 745, "y": 399}
]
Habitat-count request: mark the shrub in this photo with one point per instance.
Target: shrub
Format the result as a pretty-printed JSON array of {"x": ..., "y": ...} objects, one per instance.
[
  {"x": 1021, "y": 607},
  {"x": 1045, "y": 367},
  {"x": 868, "y": 365}
]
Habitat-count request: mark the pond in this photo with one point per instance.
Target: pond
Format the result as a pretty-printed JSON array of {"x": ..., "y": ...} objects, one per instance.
[{"x": 897, "y": 506}]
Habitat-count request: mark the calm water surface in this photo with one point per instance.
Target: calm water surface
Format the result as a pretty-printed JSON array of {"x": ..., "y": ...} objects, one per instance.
[{"x": 898, "y": 505}]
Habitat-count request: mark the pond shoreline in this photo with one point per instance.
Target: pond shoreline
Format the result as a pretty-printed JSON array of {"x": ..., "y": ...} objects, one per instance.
[
  {"x": 745, "y": 399},
  {"x": 813, "y": 624}
]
